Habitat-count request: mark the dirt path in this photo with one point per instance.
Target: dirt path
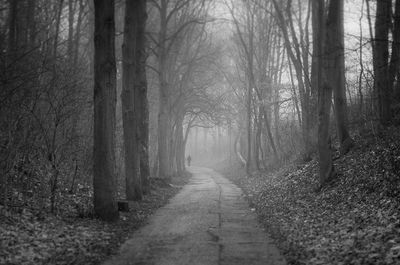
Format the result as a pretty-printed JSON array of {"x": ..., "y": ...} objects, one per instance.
[{"x": 208, "y": 222}]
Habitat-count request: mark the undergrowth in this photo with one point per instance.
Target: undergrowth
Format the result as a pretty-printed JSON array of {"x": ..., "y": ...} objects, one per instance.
[
  {"x": 353, "y": 220},
  {"x": 74, "y": 236}
]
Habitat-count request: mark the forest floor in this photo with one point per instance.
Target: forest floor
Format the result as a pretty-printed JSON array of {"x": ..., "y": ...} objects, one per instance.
[
  {"x": 353, "y": 220},
  {"x": 28, "y": 238}
]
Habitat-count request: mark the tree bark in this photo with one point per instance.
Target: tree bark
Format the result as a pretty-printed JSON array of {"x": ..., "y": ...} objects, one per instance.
[
  {"x": 380, "y": 59},
  {"x": 163, "y": 116},
  {"x": 316, "y": 52},
  {"x": 12, "y": 24},
  {"x": 78, "y": 32},
  {"x": 249, "y": 163},
  {"x": 180, "y": 149},
  {"x": 295, "y": 99},
  {"x": 71, "y": 11},
  {"x": 360, "y": 92},
  {"x": 326, "y": 169},
  {"x": 140, "y": 15},
  {"x": 252, "y": 83},
  {"x": 395, "y": 57},
  {"x": 31, "y": 22},
  {"x": 258, "y": 125},
  {"x": 104, "y": 182},
  {"x": 58, "y": 22},
  {"x": 338, "y": 77},
  {"x": 130, "y": 102}
]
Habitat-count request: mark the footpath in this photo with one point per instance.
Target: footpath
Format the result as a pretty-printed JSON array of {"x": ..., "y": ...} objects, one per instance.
[{"x": 207, "y": 223}]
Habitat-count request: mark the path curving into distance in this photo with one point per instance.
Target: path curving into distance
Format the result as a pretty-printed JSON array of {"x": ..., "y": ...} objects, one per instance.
[{"x": 207, "y": 223}]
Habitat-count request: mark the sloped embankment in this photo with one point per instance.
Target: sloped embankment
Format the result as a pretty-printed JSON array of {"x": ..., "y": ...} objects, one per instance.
[{"x": 354, "y": 220}]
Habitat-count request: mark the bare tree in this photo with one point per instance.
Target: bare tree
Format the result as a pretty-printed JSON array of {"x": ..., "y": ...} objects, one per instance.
[
  {"x": 394, "y": 66},
  {"x": 338, "y": 79},
  {"x": 258, "y": 50},
  {"x": 71, "y": 13},
  {"x": 141, "y": 95},
  {"x": 298, "y": 54},
  {"x": 105, "y": 204},
  {"x": 331, "y": 34},
  {"x": 174, "y": 18},
  {"x": 380, "y": 59},
  {"x": 130, "y": 107}
]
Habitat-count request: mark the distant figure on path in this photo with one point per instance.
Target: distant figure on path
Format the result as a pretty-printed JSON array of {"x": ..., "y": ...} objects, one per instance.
[{"x": 189, "y": 159}]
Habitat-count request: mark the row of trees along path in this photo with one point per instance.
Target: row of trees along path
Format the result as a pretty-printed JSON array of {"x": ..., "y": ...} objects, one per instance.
[
  {"x": 326, "y": 80},
  {"x": 260, "y": 74}
]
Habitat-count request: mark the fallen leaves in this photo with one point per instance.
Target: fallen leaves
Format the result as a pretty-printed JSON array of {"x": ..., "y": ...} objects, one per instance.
[
  {"x": 354, "y": 220},
  {"x": 26, "y": 239}
]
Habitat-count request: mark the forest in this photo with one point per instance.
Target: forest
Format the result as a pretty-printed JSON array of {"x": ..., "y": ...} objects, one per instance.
[{"x": 109, "y": 109}]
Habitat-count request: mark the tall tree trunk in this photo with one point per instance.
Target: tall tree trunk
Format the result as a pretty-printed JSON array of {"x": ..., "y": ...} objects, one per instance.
[
  {"x": 360, "y": 92},
  {"x": 58, "y": 22},
  {"x": 380, "y": 59},
  {"x": 296, "y": 101},
  {"x": 12, "y": 24},
  {"x": 267, "y": 124},
  {"x": 252, "y": 84},
  {"x": 140, "y": 14},
  {"x": 326, "y": 169},
  {"x": 71, "y": 13},
  {"x": 163, "y": 115},
  {"x": 316, "y": 52},
  {"x": 338, "y": 78},
  {"x": 258, "y": 125},
  {"x": 179, "y": 146},
  {"x": 293, "y": 52},
  {"x": 172, "y": 150},
  {"x": 394, "y": 58},
  {"x": 78, "y": 32},
  {"x": 269, "y": 132},
  {"x": 249, "y": 163},
  {"x": 31, "y": 22},
  {"x": 130, "y": 102},
  {"x": 276, "y": 113},
  {"x": 104, "y": 182},
  {"x": 90, "y": 49},
  {"x": 329, "y": 33}
]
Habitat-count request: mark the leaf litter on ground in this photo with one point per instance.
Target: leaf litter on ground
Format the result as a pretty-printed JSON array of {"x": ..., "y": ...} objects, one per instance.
[
  {"x": 28, "y": 238},
  {"x": 353, "y": 220}
]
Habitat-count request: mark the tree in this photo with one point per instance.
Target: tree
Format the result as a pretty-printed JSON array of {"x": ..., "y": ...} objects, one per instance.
[
  {"x": 71, "y": 12},
  {"x": 78, "y": 31},
  {"x": 338, "y": 79},
  {"x": 259, "y": 52},
  {"x": 324, "y": 97},
  {"x": 380, "y": 59},
  {"x": 395, "y": 57},
  {"x": 331, "y": 78},
  {"x": 104, "y": 187},
  {"x": 174, "y": 18},
  {"x": 248, "y": 48},
  {"x": 191, "y": 76},
  {"x": 130, "y": 101},
  {"x": 164, "y": 167},
  {"x": 298, "y": 54},
  {"x": 141, "y": 86}
]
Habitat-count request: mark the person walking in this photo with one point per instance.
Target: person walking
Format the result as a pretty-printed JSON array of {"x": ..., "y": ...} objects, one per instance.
[{"x": 189, "y": 159}]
